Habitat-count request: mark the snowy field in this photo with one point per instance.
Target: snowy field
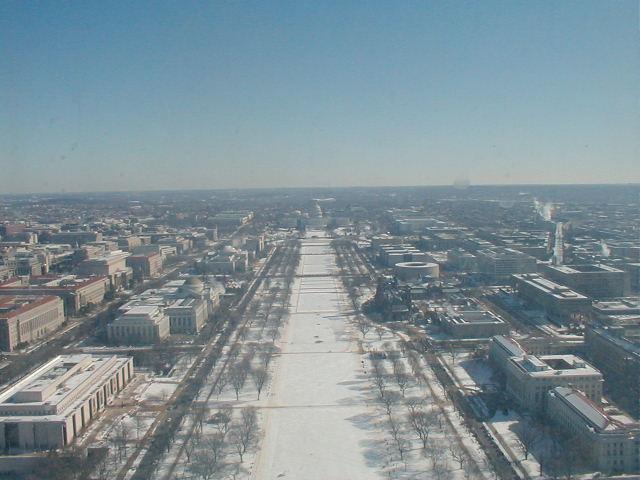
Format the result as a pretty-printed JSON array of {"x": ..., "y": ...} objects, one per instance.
[
  {"x": 320, "y": 415},
  {"x": 315, "y": 417}
]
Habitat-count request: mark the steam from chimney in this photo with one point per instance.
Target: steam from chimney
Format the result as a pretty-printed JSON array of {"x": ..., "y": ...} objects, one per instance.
[
  {"x": 545, "y": 210},
  {"x": 606, "y": 251}
]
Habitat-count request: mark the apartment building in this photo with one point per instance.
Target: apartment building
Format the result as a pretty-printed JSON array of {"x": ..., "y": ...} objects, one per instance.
[{"x": 26, "y": 318}]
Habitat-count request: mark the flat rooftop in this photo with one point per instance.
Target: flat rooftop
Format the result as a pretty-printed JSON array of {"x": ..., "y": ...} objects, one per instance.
[
  {"x": 475, "y": 317},
  {"x": 13, "y": 305},
  {"x": 503, "y": 253},
  {"x": 588, "y": 268},
  {"x": 58, "y": 386},
  {"x": 549, "y": 287},
  {"x": 625, "y": 305},
  {"x": 555, "y": 365}
]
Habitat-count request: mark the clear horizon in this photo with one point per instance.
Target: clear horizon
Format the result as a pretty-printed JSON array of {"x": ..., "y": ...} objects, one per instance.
[{"x": 152, "y": 96}]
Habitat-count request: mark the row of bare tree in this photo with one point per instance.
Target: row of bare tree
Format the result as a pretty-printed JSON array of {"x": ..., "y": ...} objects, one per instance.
[
  {"x": 422, "y": 417},
  {"x": 206, "y": 454}
]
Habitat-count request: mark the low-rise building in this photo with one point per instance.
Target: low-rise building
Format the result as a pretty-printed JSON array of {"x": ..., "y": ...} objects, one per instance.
[
  {"x": 76, "y": 292},
  {"x": 140, "y": 325},
  {"x": 503, "y": 262},
  {"x": 112, "y": 265},
  {"x": 616, "y": 351},
  {"x": 633, "y": 269},
  {"x": 76, "y": 238},
  {"x": 502, "y": 348},
  {"x": 472, "y": 324},
  {"x": 594, "y": 280},
  {"x": 558, "y": 301},
  {"x": 26, "y": 318},
  {"x": 232, "y": 218},
  {"x": 610, "y": 443},
  {"x": 529, "y": 378},
  {"x": 187, "y": 315},
  {"x": 391, "y": 255},
  {"x": 226, "y": 261},
  {"x": 145, "y": 265},
  {"x": 52, "y": 406},
  {"x": 129, "y": 242}
]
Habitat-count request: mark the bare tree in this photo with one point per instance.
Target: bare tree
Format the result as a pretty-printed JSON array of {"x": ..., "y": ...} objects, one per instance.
[
  {"x": 379, "y": 331},
  {"x": 243, "y": 333},
  {"x": 469, "y": 471},
  {"x": 456, "y": 452},
  {"x": 190, "y": 446},
  {"x": 436, "y": 453},
  {"x": 234, "y": 352},
  {"x": 238, "y": 377},
  {"x": 389, "y": 400},
  {"x": 274, "y": 334},
  {"x": 223, "y": 379},
  {"x": 260, "y": 376},
  {"x": 200, "y": 413},
  {"x": 222, "y": 419},
  {"x": 267, "y": 353},
  {"x": 363, "y": 326},
  {"x": 244, "y": 433},
  {"x": 402, "y": 444},
  {"x": 208, "y": 460},
  {"x": 139, "y": 421},
  {"x": 121, "y": 438},
  {"x": 414, "y": 403},
  {"x": 528, "y": 436},
  {"x": 379, "y": 377},
  {"x": 395, "y": 358},
  {"x": 422, "y": 423}
]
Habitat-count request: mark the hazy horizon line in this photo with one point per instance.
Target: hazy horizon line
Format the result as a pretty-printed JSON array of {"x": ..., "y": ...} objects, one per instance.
[{"x": 325, "y": 187}]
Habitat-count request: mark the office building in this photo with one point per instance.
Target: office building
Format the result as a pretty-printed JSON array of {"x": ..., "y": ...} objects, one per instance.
[
  {"x": 76, "y": 292},
  {"x": 77, "y": 238},
  {"x": 145, "y": 265},
  {"x": 26, "y": 318},
  {"x": 616, "y": 351},
  {"x": 145, "y": 324},
  {"x": 503, "y": 262},
  {"x": 609, "y": 442},
  {"x": 52, "y": 406},
  {"x": 112, "y": 265},
  {"x": 593, "y": 280},
  {"x": 475, "y": 323},
  {"x": 559, "y": 302},
  {"x": 529, "y": 378}
]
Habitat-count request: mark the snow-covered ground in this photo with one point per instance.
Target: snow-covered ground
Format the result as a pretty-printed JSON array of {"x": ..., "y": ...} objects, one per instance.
[
  {"x": 315, "y": 419},
  {"x": 320, "y": 416},
  {"x": 323, "y": 418}
]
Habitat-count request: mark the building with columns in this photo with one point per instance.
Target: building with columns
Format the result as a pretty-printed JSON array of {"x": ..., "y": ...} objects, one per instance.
[{"x": 53, "y": 405}]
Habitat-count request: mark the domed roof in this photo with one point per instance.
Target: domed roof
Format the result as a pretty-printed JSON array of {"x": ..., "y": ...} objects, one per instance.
[
  {"x": 229, "y": 250},
  {"x": 193, "y": 281}
]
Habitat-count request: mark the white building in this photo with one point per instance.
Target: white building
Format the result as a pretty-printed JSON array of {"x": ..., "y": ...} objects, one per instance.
[
  {"x": 50, "y": 407},
  {"x": 530, "y": 377},
  {"x": 611, "y": 442},
  {"x": 187, "y": 315},
  {"x": 143, "y": 324},
  {"x": 503, "y": 262},
  {"x": 112, "y": 265}
]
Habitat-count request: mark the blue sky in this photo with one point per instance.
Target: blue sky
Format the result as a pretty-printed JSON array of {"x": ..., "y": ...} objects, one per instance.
[{"x": 155, "y": 95}]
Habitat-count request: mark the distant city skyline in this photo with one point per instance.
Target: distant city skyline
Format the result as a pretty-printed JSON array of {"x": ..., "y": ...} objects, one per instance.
[{"x": 166, "y": 96}]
